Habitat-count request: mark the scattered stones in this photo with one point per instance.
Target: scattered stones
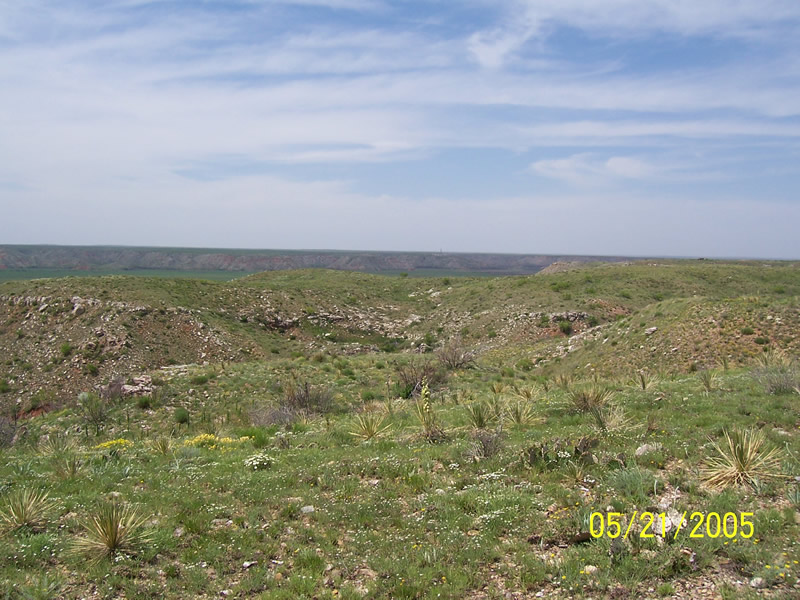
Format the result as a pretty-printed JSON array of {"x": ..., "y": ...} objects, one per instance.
[
  {"x": 306, "y": 510},
  {"x": 249, "y": 563},
  {"x": 757, "y": 582},
  {"x": 647, "y": 449},
  {"x": 650, "y": 330},
  {"x": 590, "y": 569}
]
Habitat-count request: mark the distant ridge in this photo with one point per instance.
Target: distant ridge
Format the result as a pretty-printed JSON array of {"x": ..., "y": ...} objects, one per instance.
[{"x": 90, "y": 258}]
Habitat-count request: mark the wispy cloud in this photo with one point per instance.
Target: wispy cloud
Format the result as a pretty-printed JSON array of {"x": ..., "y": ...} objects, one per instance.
[{"x": 327, "y": 98}]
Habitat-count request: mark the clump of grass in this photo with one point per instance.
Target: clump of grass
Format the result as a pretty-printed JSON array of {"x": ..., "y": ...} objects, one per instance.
[
  {"x": 480, "y": 415},
  {"x": 742, "y": 460},
  {"x": 564, "y": 381},
  {"x": 25, "y": 508},
  {"x": 708, "y": 378},
  {"x": 369, "y": 426},
  {"x": 589, "y": 398},
  {"x": 112, "y": 529}
]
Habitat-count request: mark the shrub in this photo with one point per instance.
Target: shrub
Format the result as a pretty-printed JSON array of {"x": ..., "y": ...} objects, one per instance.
[
  {"x": 778, "y": 379},
  {"x": 181, "y": 416},
  {"x": 93, "y": 409},
  {"x": 485, "y": 444},
  {"x": 453, "y": 355},
  {"x": 741, "y": 460},
  {"x": 747, "y": 331},
  {"x": 66, "y": 349},
  {"x": 113, "y": 528},
  {"x": 5, "y": 388},
  {"x": 565, "y": 327},
  {"x": 521, "y": 414},
  {"x": 302, "y": 397},
  {"x": 413, "y": 375}
]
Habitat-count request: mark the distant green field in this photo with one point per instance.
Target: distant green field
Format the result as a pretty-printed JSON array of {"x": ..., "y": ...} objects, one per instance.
[{"x": 25, "y": 274}]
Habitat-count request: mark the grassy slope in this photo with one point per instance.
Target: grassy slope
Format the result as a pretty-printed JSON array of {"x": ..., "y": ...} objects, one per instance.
[{"x": 399, "y": 518}]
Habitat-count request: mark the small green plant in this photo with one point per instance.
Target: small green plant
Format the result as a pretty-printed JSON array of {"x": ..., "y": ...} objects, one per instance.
[
  {"x": 181, "y": 416},
  {"x": 25, "y": 508},
  {"x": 112, "y": 529},
  {"x": 741, "y": 460},
  {"x": 66, "y": 349},
  {"x": 93, "y": 409},
  {"x": 565, "y": 327},
  {"x": 369, "y": 426}
]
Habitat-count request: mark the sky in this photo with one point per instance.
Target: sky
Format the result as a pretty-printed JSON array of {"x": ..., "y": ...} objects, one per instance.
[{"x": 603, "y": 127}]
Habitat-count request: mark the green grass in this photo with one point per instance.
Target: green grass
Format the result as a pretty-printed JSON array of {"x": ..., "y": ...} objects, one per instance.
[{"x": 396, "y": 515}]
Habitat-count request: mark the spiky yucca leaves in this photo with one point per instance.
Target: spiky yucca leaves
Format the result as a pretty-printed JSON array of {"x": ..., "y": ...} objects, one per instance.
[
  {"x": 708, "y": 378},
  {"x": 773, "y": 357},
  {"x": 589, "y": 398},
  {"x": 25, "y": 508},
  {"x": 56, "y": 444},
  {"x": 610, "y": 419},
  {"x": 742, "y": 460},
  {"x": 497, "y": 388},
  {"x": 645, "y": 380},
  {"x": 521, "y": 414},
  {"x": 369, "y": 426},
  {"x": 527, "y": 394},
  {"x": 564, "y": 381},
  {"x": 161, "y": 445},
  {"x": 67, "y": 465},
  {"x": 112, "y": 529},
  {"x": 480, "y": 415}
]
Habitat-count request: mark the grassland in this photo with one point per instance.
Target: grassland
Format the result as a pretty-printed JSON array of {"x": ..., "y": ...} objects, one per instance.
[{"x": 485, "y": 490}]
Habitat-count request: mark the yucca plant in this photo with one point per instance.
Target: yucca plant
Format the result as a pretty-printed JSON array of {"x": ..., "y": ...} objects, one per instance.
[
  {"x": 55, "y": 444},
  {"x": 521, "y": 414},
  {"x": 112, "y": 529},
  {"x": 480, "y": 415},
  {"x": 427, "y": 416},
  {"x": 66, "y": 466},
  {"x": 645, "y": 380},
  {"x": 773, "y": 357},
  {"x": 708, "y": 378},
  {"x": 742, "y": 460},
  {"x": 497, "y": 388},
  {"x": 588, "y": 398},
  {"x": 25, "y": 508},
  {"x": 526, "y": 393},
  {"x": 610, "y": 419},
  {"x": 161, "y": 445},
  {"x": 564, "y": 381},
  {"x": 369, "y": 426}
]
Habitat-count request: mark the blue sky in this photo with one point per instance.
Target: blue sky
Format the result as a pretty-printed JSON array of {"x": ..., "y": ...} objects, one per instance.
[{"x": 632, "y": 127}]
